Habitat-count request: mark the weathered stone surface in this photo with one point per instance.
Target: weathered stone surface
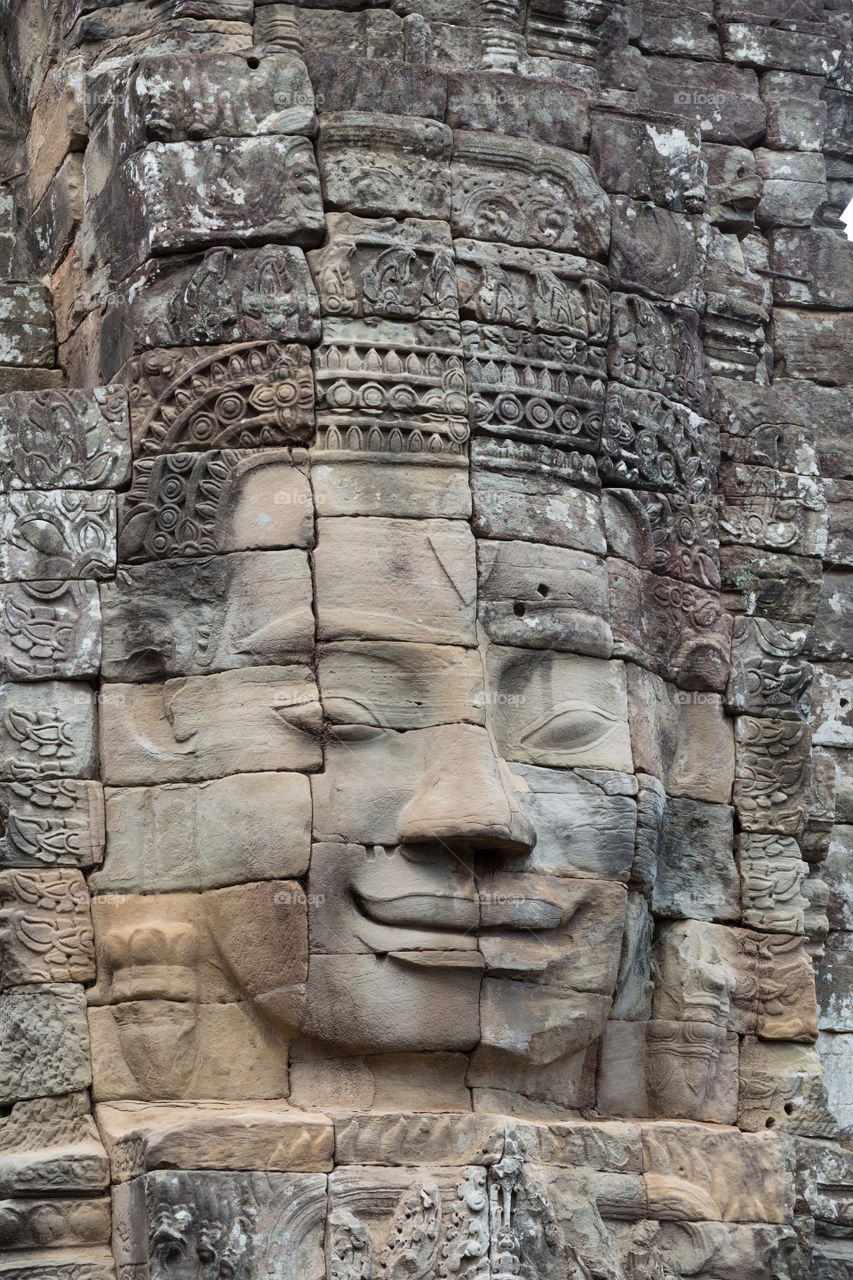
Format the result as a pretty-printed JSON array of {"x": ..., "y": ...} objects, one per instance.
[
  {"x": 47, "y": 731},
  {"x": 723, "y": 100},
  {"x": 772, "y": 790},
  {"x": 813, "y": 344},
  {"x": 833, "y": 976},
  {"x": 679, "y": 1070},
  {"x": 224, "y": 200},
  {"x": 52, "y": 822},
  {"x": 798, "y": 49},
  {"x": 269, "y": 1137},
  {"x": 663, "y": 532},
  {"x": 61, "y": 1222},
  {"x": 64, "y": 439},
  {"x": 528, "y": 494},
  {"x": 396, "y": 580},
  {"x": 734, "y": 187},
  {"x": 26, "y": 327},
  {"x": 535, "y": 289},
  {"x": 734, "y": 1177},
  {"x": 682, "y": 458},
  {"x": 713, "y": 974},
  {"x": 819, "y": 264},
  {"x": 440, "y": 784},
  {"x": 220, "y": 397},
  {"x": 221, "y": 295},
  {"x": 768, "y": 584},
  {"x": 656, "y": 252},
  {"x": 211, "y": 1211},
  {"x": 656, "y": 346},
  {"x": 185, "y": 730},
  {"x": 371, "y": 80},
  {"x": 776, "y": 510},
  {"x": 58, "y": 125},
  {"x": 50, "y": 630},
  {"x": 567, "y": 608},
  {"x": 47, "y": 935},
  {"x": 558, "y": 709},
  {"x": 770, "y": 675},
  {"x": 546, "y": 110},
  {"x": 527, "y": 193},
  {"x": 57, "y": 533},
  {"x": 831, "y": 704},
  {"x": 696, "y": 875},
  {"x": 835, "y": 1055},
  {"x": 535, "y": 389},
  {"x": 151, "y": 1049},
  {"x": 584, "y": 821},
  {"x": 244, "y": 609},
  {"x": 372, "y": 839},
  {"x": 771, "y": 879},
  {"x": 380, "y": 267},
  {"x": 796, "y": 113},
  {"x": 674, "y": 629},
  {"x": 648, "y": 159},
  {"x": 51, "y": 1145},
  {"x": 781, "y": 1086},
  {"x": 410, "y": 180},
  {"x": 680, "y": 737},
  {"x": 777, "y": 426},
  {"x": 399, "y": 686},
  {"x": 218, "y": 95},
  {"x": 195, "y": 504},
  {"x": 44, "y": 1048},
  {"x": 251, "y": 826},
  {"x": 793, "y": 185}
]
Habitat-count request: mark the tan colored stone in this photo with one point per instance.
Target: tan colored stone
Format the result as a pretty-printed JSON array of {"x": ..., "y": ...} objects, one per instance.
[
  {"x": 440, "y": 786},
  {"x": 694, "y": 1173},
  {"x": 272, "y": 1137},
  {"x": 57, "y": 126},
  {"x": 152, "y": 1049},
  {"x": 45, "y": 928},
  {"x": 555, "y": 709},
  {"x": 400, "y": 686},
  {"x": 395, "y": 580},
  {"x": 249, "y": 826},
  {"x": 407, "y": 1139},
  {"x": 205, "y": 727},
  {"x": 683, "y": 1070},
  {"x": 682, "y": 738},
  {"x": 194, "y": 617}
]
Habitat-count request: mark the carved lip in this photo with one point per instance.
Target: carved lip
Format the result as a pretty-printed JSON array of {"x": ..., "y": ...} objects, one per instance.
[{"x": 423, "y": 911}]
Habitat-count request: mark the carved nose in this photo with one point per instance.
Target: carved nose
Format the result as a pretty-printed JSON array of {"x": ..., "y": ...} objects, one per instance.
[{"x": 465, "y": 799}]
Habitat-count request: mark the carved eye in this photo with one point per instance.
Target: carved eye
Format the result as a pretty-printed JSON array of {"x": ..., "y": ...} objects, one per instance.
[{"x": 571, "y": 726}]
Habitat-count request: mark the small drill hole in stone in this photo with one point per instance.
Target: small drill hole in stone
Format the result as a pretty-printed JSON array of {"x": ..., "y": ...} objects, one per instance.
[
  {"x": 769, "y": 1122},
  {"x": 518, "y": 609},
  {"x": 254, "y": 63},
  {"x": 542, "y": 589},
  {"x": 788, "y": 1108}
]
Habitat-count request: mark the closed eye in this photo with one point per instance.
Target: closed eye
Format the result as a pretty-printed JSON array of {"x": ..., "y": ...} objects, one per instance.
[{"x": 570, "y": 726}]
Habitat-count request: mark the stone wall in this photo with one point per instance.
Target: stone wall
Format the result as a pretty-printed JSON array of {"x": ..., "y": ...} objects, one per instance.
[{"x": 426, "y": 581}]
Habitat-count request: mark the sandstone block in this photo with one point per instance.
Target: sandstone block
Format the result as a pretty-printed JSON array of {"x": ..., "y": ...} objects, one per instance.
[
  {"x": 680, "y": 1070},
  {"x": 410, "y": 180},
  {"x": 185, "y": 729},
  {"x": 51, "y": 630},
  {"x": 396, "y": 580},
  {"x": 44, "y": 1049},
  {"x": 195, "y": 504},
  {"x": 48, "y": 731},
  {"x": 682, "y": 738},
  {"x": 244, "y": 609},
  {"x": 52, "y": 822},
  {"x": 251, "y": 826},
  {"x": 57, "y": 533}
]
